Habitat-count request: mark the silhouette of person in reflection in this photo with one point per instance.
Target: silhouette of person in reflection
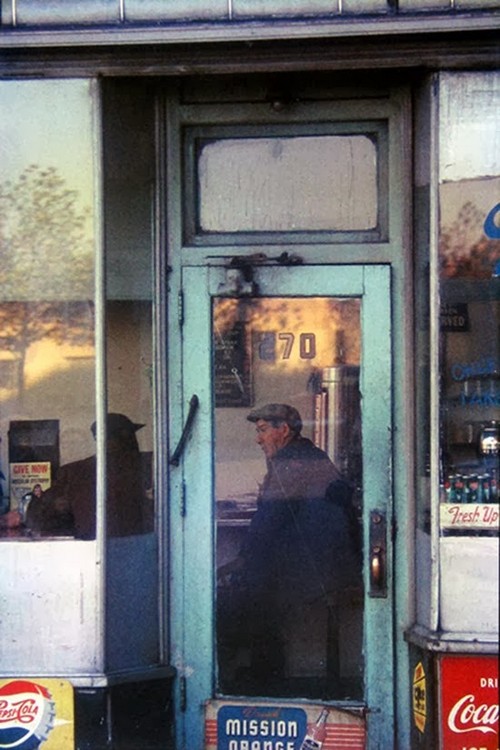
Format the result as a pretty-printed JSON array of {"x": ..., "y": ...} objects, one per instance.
[
  {"x": 2, "y": 478},
  {"x": 68, "y": 507},
  {"x": 300, "y": 551}
]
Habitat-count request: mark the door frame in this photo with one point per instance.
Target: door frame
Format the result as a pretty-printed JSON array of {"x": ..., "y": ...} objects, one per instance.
[{"x": 192, "y": 523}]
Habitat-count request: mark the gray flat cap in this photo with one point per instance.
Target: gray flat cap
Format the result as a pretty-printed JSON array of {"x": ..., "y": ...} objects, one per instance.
[{"x": 279, "y": 413}]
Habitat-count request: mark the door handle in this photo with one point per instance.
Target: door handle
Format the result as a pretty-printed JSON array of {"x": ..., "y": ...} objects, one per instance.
[
  {"x": 378, "y": 554},
  {"x": 193, "y": 408},
  {"x": 376, "y": 567}
]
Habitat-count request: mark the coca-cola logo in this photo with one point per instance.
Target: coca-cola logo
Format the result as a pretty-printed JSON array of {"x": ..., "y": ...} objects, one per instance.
[
  {"x": 466, "y": 716},
  {"x": 26, "y": 715}
]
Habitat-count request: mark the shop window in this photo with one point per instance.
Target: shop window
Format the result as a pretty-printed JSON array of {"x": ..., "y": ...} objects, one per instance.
[
  {"x": 465, "y": 356},
  {"x": 76, "y": 318},
  {"x": 56, "y": 330},
  {"x": 47, "y": 310},
  {"x": 269, "y": 180},
  {"x": 458, "y": 353},
  {"x": 469, "y": 288}
]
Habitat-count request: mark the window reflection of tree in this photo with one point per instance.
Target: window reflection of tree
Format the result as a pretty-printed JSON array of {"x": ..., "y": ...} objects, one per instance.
[
  {"x": 46, "y": 265},
  {"x": 24, "y": 323},
  {"x": 322, "y": 315},
  {"x": 464, "y": 249}
]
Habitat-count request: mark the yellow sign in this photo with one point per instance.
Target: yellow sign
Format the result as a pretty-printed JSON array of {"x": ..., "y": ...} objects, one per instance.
[
  {"x": 419, "y": 697},
  {"x": 24, "y": 477},
  {"x": 36, "y": 710}
]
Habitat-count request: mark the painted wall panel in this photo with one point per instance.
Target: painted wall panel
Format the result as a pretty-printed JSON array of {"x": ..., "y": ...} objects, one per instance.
[
  {"x": 416, "y": 5},
  {"x": 476, "y": 4},
  {"x": 364, "y": 6},
  {"x": 266, "y": 8},
  {"x": 51, "y": 590},
  {"x": 67, "y": 13},
  {"x": 469, "y": 584},
  {"x": 39, "y": 12},
  {"x": 171, "y": 10}
]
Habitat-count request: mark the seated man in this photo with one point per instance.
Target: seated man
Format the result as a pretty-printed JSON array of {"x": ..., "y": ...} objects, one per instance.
[
  {"x": 68, "y": 508},
  {"x": 299, "y": 554}
]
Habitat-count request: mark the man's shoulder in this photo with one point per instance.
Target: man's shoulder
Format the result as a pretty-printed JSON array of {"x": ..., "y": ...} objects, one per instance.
[
  {"x": 81, "y": 467},
  {"x": 301, "y": 448},
  {"x": 306, "y": 469}
]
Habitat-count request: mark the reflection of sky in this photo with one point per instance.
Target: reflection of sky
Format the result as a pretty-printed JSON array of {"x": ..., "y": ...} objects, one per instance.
[
  {"x": 48, "y": 123},
  {"x": 469, "y": 126}
]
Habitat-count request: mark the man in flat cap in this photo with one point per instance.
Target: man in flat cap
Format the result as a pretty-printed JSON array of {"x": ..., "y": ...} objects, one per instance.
[
  {"x": 300, "y": 550},
  {"x": 69, "y": 506}
]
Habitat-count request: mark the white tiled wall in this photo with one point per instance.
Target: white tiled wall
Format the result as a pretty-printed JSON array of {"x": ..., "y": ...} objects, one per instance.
[{"x": 122, "y": 12}]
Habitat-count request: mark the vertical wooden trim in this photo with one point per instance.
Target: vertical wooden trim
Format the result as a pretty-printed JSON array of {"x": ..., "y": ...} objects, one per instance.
[
  {"x": 434, "y": 303},
  {"x": 100, "y": 374}
]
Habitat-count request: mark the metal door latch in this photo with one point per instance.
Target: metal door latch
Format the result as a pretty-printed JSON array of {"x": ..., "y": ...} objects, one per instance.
[
  {"x": 378, "y": 554},
  {"x": 193, "y": 408}
]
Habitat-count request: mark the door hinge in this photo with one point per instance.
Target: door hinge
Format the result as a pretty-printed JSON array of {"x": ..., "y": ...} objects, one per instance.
[
  {"x": 183, "y": 499},
  {"x": 180, "y": 308},
  {"x": 182, "y": 694},
  {"x": 394, "y": 530}
]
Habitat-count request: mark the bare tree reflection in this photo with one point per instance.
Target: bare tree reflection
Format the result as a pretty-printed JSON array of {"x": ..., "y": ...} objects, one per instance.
[
  {"x": 46, "y": 265},
  {"x": 464, "y": 249}
]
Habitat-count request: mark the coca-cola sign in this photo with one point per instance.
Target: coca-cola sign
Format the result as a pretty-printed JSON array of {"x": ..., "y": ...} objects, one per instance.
[{"x": 469, "y": 702}]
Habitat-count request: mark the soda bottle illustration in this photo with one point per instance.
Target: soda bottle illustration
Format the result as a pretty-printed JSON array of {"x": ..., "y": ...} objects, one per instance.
[{"x": 316, "y": 736}]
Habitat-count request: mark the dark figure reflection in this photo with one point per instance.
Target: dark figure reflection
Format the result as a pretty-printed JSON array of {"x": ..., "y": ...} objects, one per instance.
[{"x": 69, "y": 506}]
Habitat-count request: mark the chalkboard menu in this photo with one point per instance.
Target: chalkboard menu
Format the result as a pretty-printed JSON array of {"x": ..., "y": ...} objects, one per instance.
[{"x": 232, "y": 368}]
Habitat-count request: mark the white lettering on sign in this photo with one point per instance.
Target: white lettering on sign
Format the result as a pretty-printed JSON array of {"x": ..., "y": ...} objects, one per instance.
[
  {"x": 465, "y": 716},
  {"x": 264, "y": 727},
  {"x": 261, "y": 745},
  {"x": 489, "y": 682},
  {"x": 24, "y": 711}
]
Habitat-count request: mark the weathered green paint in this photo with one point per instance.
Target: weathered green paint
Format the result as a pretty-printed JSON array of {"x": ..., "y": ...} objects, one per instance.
[
  {"x": 192, "y": 534},
  {"x": 328, "y": 259}
]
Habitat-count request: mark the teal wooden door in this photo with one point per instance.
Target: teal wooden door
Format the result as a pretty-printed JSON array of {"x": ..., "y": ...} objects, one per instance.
[{"x": 317, "y": 338}]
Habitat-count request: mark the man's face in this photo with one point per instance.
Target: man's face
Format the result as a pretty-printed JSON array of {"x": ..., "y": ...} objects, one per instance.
[{"x": 270, "y": 438}]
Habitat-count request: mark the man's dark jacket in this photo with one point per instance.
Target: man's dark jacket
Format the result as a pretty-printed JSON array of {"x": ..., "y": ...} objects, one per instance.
[
  {"x": 69, "y": 506},
  {"x": 302, "y": 543}
]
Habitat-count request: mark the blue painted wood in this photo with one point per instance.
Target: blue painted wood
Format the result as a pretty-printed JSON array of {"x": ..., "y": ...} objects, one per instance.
[
  {"x": 376, "y": 412},
  {"x": 193, "y": 534}
]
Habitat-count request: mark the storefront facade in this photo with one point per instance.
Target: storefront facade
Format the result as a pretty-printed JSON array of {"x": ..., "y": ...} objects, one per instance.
[{"x": 206, "y": 209}]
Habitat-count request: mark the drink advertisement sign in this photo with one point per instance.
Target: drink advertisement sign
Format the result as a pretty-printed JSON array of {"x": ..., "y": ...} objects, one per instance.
[
  {"x": 268, "y": 726},
  {"x": 25, "y": 476},
  {"x": 36, "y": 714},
  {"x": 468, "y": 687}
]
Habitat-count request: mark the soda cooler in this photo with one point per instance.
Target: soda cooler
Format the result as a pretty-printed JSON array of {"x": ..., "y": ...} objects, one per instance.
[{"x": 454, "y": 644}]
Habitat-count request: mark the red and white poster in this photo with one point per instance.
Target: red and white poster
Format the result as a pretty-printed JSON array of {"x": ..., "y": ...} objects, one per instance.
[{"x": 468, "y": 693}]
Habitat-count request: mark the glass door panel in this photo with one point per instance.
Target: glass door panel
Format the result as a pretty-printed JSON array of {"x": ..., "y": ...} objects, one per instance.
[{"x": 288, "y": 473}]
